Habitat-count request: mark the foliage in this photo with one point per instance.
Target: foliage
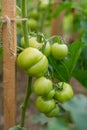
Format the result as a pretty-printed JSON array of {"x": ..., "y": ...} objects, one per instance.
[
  {"x": 63, "y": 69},
  {"x": 76, "y": 108},
  {"x": 17, "y": 128}
]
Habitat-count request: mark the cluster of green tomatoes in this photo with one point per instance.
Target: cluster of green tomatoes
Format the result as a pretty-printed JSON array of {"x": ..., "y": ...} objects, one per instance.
[
  {"x": 35, "y": 15},
  {"x": 34, "y": 62}
]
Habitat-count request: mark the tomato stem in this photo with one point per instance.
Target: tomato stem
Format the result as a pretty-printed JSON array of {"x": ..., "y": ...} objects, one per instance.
[
  {"x": 28, "y": 90},
  {"x": 26, "y": 101},
  {"x": 20, "y": 48},
  {"x": 24, "y": 23}
]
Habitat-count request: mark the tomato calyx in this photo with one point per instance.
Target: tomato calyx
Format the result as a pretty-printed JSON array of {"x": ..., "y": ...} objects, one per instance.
[{"x": 58, "y": 87}]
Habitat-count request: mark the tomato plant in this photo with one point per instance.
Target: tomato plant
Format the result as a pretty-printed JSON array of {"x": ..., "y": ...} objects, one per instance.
[{"x": 49, "y": 60}]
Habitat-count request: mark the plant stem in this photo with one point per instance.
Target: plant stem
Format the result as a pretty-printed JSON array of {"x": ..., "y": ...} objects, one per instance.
[
  {"x": 28, "y": 89},
  {"x": 24, "y": 23},
  {"x": 26, "y": 100},
  {"x": 20, "y": 48}
]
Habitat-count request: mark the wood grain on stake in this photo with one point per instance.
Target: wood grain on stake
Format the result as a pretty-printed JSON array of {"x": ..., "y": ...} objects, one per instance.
[
  {"x": 9, "y": 9},
  {"x": 57, "y": 22}
]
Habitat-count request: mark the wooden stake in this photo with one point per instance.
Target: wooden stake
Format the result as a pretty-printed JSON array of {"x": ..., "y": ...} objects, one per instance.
[
  {"x": 57, "y": 22},
  {"x": 9, "y": 9}
]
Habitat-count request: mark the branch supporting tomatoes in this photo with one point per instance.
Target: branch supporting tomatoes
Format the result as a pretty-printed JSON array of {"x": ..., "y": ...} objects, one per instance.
[
  {"x": 26, "y": 100},
  {"x": 28, "y": 90}
]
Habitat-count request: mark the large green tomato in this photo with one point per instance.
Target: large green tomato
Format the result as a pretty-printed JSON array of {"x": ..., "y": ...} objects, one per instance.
[
  {"x": 59, "y": 51},
  {"x": 54, "y": 112},
  {"x": 42, "y": 86},
  {"x": 44, "y": 105},
  {"x": 33, "y": 62},
  {"x": 65, "y": 93},
  {"x": 32, "y": 42}
]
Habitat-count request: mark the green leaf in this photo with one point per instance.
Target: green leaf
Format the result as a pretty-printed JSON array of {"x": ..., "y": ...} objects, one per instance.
[
  {"x": 77, "y": 106},
  {"x": 40, "y": 118},
  {"x": 81, "y": 76},
  {"x": 75, "y": 50},
  {"x": 17, "y": 128},
  {"x": 84, "y": 25},
  {"x": 57, "y": 124},
  {"x": 84, "y": 38},
  {"x": 63, "y": 69},
  {"x": 52, "y": 123},
  {"x": 64, "y": 6},
  {"x": 60, "y": 69}
]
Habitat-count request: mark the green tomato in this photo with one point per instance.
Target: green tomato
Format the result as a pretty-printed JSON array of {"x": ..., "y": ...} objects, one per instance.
[
  {"x": 32, "y": 24},
  {"x": 34, "y": 14},
  {"x": 47, "y": 49},
  {"x": 51, "y": 94},
  {"x": 43, "y": 4},
  {"x": 59, "y": 51},
  {"x": 54, "y": 112},
  {"x": 33, "y": 62},
  {"x": 42, "y": 86},
  {"x": 65, "y": 93},
  {"x": 32, "y": 42},
  {"x": 44, "y": 105}
]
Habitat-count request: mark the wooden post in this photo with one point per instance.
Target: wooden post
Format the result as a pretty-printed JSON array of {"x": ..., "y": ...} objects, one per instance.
[
  {"x": 9, "y": 9},
  {"x": 57, "y": 22}
]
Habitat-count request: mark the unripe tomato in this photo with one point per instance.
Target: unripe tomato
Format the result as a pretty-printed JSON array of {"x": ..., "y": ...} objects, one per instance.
[
  {"x": 59, "y": 51},
  {"x": 44, "y": 105},
  {"x": 32, "y": 24},
  {"x": 47, "y": 49},
  {"x": 33, "y": 62},
  {"x": 32, "y": 43},
  {"x": 51, "y": 94},
  {"x": 34, "y": 14},
  {"x": 65, "y": 93},
  {"x": 42, "y": 86},
  {"x": 43, "y": 4},
  {"x": 54, "y": 112}
]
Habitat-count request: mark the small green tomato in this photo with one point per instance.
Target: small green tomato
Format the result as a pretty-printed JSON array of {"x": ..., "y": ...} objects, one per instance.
[
  {"x": 65, "y": 93},
  {"x": 47, "y": 49},
  {"x": 42, "y": 86},
  {"x": 44, "y": 105},
  {"x": 54, "y": 112},
  {"x": 59, "y": 51}
]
